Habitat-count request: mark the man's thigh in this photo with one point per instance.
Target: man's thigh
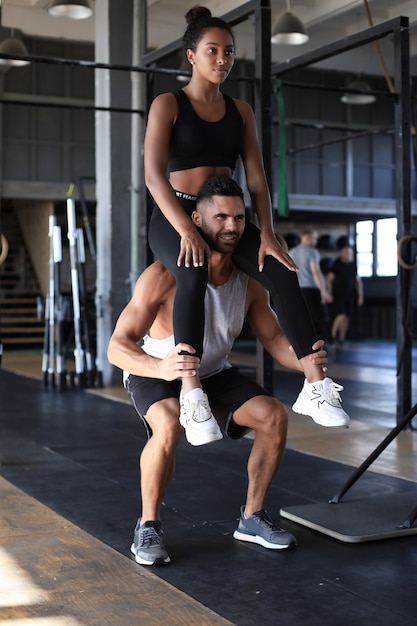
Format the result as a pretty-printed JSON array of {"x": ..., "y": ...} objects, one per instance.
[
  {"x": 148, "y": 393},
  {"x": 227, "y": 392},
  {"x": 260, "y": 413}
]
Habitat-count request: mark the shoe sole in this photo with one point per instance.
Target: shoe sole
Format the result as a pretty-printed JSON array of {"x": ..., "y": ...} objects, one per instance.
[
  {"x": 196, "y": 438},
  {"x": 199, "y": 441},
  {"x": 157, "y": 562},
  {"x": 262, "y": 542},
  {"x": 329, "y": 423}
]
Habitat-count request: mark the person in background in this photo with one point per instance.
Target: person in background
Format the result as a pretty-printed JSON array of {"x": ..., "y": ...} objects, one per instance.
[
  {"x": 312, "y": 281},
  {"x": 345, "y": 289}
]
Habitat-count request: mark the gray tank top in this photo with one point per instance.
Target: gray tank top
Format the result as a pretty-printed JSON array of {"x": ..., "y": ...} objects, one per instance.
[{"x": 224, "y": 316}]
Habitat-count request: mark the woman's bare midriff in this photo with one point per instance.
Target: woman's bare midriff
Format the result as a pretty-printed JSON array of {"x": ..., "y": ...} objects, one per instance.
[{"x": 190, "y": 181}]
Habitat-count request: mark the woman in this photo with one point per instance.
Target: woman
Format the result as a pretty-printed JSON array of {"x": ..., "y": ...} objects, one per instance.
[{"x": 195, "y": 134}]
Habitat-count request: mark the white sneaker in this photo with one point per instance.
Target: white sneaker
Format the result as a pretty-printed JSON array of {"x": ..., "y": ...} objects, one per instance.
[
  {"x": 198, "y": 421},
  {"x": 322, "y": 402}
]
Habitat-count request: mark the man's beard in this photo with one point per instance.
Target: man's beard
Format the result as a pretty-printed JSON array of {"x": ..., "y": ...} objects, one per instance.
[{"x": 218, "y": 245}]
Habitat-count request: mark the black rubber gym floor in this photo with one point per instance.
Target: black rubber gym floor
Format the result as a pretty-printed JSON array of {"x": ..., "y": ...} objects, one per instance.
[{"x": 78, "y": 454}]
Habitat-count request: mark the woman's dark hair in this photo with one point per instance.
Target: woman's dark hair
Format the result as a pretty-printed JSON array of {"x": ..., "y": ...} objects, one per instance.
[
  {"x": 199, "y": 20},
  {"x": 219, "y": 186}
]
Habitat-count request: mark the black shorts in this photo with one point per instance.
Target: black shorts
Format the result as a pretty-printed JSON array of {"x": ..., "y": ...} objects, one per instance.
[
  {"x": 343, "y": 305},
  {"x": 226, "y": 391}
]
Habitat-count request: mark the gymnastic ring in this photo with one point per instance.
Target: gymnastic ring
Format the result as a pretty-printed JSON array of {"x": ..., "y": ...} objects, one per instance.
[
  {"x": 4, "y": 249},
  {"x": 403, "y": 239}
]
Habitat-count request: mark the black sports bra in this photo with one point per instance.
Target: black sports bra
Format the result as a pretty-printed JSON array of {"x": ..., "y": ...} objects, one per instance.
[{"x": 196, "y": 142}]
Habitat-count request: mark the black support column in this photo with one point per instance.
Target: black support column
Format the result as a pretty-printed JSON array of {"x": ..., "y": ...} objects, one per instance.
[
  {"x": 403, "y": 183},
  {"x": 263, "y": 96}
]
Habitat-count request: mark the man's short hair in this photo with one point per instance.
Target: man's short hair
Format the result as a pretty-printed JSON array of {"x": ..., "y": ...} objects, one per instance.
[{"x": 219, "y": 186}]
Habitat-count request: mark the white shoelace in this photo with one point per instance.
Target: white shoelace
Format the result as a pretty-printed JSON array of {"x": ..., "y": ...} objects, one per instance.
[
  {"x": 198, "y": 411},
  {"x": 331, "y": 393}
]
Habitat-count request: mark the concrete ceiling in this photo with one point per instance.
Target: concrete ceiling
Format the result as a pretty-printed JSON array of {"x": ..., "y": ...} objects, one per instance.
[{"x": 325, "y": 22}]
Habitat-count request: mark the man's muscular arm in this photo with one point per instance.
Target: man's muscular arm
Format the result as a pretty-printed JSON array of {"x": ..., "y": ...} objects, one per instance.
[{"x": 153, "y": 291}]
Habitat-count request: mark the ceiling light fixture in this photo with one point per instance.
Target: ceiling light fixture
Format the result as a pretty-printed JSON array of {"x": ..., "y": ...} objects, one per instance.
[
  {"x": 74, "y": 9},
  {"x": 365, "y": 97},
  {"x": 14, "y": 47},
  {"x": 288, "y": 29}
]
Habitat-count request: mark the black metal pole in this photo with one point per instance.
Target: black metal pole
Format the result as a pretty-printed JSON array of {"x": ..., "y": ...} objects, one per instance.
[
  {"x": 45, "y": 353},
  {"x": 375, "y": 454},
  {"x": 403, "y": 183},
  {"x": 86, "y": 215},
  {"x": 86, "y": 332},
  {"x": 263, "y": 110},
  {"x": 51, "y": 306},
  {"x": 75, "y": 289},
  {"x": 61, "y": 374}
]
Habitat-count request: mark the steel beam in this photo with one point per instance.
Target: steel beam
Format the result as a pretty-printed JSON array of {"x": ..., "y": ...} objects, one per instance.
[{"x": 341, "y": 45}]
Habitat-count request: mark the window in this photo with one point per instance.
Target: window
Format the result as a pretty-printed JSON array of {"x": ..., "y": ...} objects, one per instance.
[
  {"x": 376, "y": 246},
  {"x": 386, "y": 247},
  {"x": 364, "y": 247}
]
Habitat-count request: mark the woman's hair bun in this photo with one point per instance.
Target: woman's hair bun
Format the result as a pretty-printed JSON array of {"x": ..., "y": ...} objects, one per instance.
[{"x": 197, "y": 13}]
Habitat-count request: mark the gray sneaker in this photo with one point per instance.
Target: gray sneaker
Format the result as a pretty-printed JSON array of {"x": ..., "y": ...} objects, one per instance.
[
  {"x": 148, "y": 546},
  {"x": 260, "y": 528}
]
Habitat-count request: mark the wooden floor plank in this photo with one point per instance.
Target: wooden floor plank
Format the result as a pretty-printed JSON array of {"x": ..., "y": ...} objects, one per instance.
[
  {"x": 354, "y": 444},
  {"x": 73, "y": 579}
]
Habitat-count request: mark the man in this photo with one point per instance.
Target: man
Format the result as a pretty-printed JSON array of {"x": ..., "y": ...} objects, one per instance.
[
  {"x": 345, "y": 291},
  {"x": 238, "y": 404},
  {"x": 312, "y": 282}
]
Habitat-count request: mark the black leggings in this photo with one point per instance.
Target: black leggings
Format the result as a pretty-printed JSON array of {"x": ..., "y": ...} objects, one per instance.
[{"x": 188, "y": 316}]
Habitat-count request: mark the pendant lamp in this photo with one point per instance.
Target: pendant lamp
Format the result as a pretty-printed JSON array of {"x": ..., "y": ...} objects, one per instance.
[
  {"x": 365, "y": 97},
  {"x": 14, "y": 47},
  {"x": 74, "y": 9},
  {"x": 358, "y": 84},
  {"x": 288, "y": 29}
]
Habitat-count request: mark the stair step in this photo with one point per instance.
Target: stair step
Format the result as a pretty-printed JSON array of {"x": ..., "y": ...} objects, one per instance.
[
  {"x": 20, "y": 325},
  {"x": 21, "y": 340},
  {"x": 9, "y": 296},
  {"x": 25, "y": 330},
  {"x": 30, "y": 293},
  {"x": 11, "y": 309},
  {"x": 16, "y": 311},
  {"x": 32, "y": 319},
  {"x": 5, "y": 301}
]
